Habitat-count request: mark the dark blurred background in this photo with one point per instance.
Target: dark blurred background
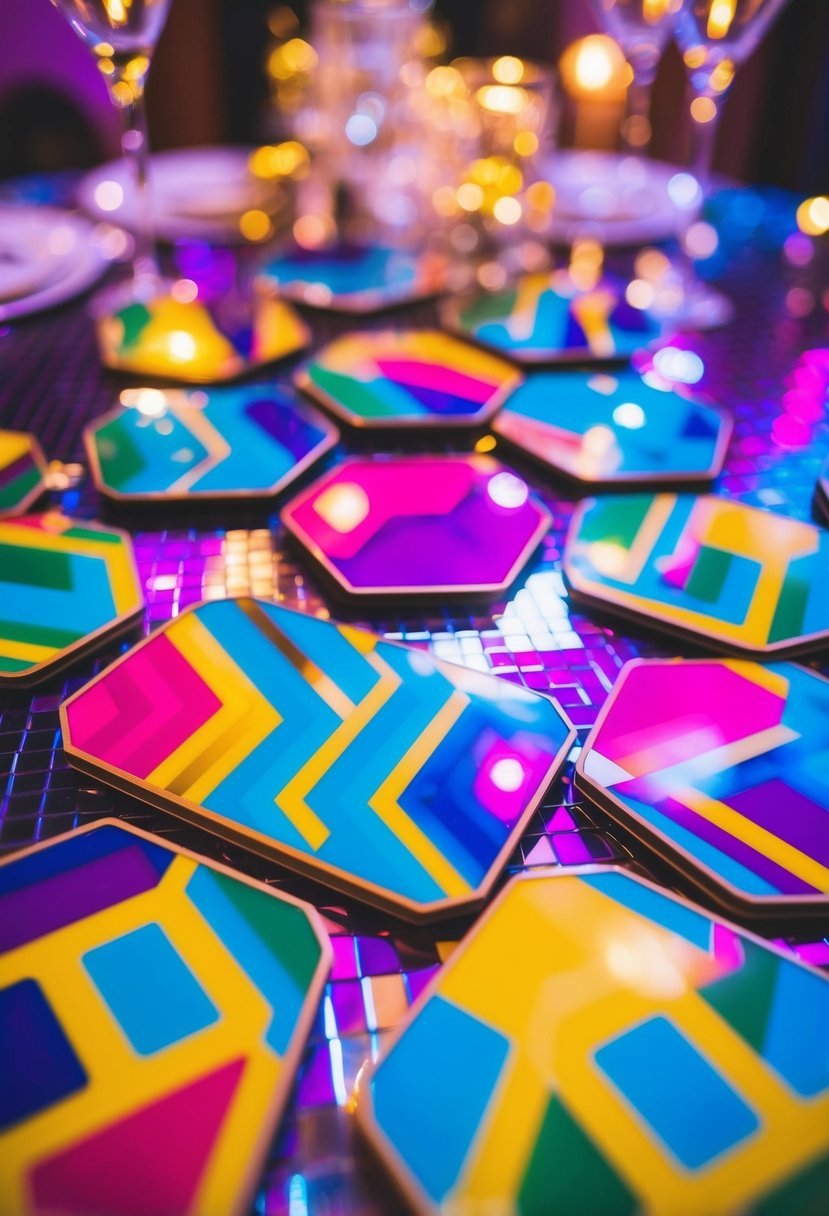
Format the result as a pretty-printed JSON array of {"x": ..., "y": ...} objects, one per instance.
[{"x": 209, "y": 83}]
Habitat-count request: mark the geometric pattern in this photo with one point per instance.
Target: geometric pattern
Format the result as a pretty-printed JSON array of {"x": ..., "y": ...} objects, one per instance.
[
  {"x": 22, "y": 471},
  {"x": 721, "y": 765},
  {"x": 153, "y": 1009},
  {"x": 199, "y": 342},
  {"x": 418, "y": 525},
  {"x": 539, "y": 320},
  {"x": 353, "y": 278},
  {"x": 609, "y": 429},
  {"x": 250, "y": 440},
  {"x": 381, "y": 771},
  {"x": 711, "y": 569},
  {"x": 407, "y": 378},
  {"x": 598, "y": 1045},
  {"x": 65, "y": 585}
]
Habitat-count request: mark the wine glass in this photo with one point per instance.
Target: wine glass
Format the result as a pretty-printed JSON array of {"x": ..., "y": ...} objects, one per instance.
[
  {"x": 641, "y": 28},
  {"x": 122, "y": 35},
  {"x": 715, "y": 37}
]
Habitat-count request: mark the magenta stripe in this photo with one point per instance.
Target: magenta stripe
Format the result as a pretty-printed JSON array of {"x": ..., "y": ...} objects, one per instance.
[{"x": 438, "y": 377}]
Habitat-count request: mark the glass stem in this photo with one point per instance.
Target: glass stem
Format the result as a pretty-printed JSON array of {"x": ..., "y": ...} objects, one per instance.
[
  {"x": 636, "y": 128},
  {"x": 134, "y": 147},
  {"x": 703, "y": 143}
]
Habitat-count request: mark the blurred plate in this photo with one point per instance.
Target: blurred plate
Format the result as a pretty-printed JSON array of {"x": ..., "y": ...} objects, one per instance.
[
  {"x": 623, "y": 200},
  {"x": 196, "y": 192},
  {"x": 57, "y": 256}
]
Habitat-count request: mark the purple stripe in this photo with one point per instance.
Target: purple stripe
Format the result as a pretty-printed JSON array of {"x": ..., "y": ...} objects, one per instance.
[
  {"x": 43, "y": 907},
  {"x": 12, "y": 471},
  {"x": 787, "y": 814},
  {"x": 778, "y": 877}
]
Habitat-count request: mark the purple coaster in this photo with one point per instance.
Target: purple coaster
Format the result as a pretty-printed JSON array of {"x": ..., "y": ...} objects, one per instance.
[{"x": 419, "y": 525}]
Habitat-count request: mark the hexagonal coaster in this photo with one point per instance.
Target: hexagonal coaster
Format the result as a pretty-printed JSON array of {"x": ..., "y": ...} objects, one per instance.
[
  {"x": 249, "y": 441},
  {"x": 407, "y": 378},
  {"x": 353, "y": 278},
  {"x": 419, "y": 525},
  {"x": 709, "y": 569},
  {"x": 595, "y": 1044},
  {"x": 65, "y": 585},
  {"x": 153, "y": 1009},
  {"x": 199, "y": 342},
  {"x": 605, "y": 429},
  {"x": 539, "y": 320},
  {"x": 22, "y": 471},
  {"x": 720, "y": 766},
  {"x": 376, "y": 769}
]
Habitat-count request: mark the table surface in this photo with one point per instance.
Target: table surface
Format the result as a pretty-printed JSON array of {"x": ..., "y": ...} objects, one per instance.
[{"x": 51, "y": 383}]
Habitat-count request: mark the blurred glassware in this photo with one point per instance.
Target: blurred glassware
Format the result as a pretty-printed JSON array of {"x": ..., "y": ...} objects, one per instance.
[
  {"x": 358, "y": 123},
  {"x": 490, "y": 135},
  {"x": 122, "y": 34},
  {"x": 642, "y": 29},
  {"x": 715, "y": 37}
]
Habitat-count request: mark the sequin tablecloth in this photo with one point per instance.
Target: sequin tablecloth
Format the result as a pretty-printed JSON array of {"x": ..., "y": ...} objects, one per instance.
[{"x": 770, "y": 367}]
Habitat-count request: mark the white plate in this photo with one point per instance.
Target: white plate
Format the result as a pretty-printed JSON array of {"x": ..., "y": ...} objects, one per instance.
[
  {"x": 195, "y": 192},
  {"x": 72, "y": 257},
  {"x": 621, "y": 199}
]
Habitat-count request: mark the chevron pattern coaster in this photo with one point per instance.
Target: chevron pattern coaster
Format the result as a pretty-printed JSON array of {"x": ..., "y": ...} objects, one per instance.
[
  {"x": 376, "y": 768},
  {"x": 153, "y": 1008},
  {"x": 721, "y": 765},
  {"x": 64, "y": 585},
  {"x": 596, "y": 1045},
  {"x": 22, "y": 471},
  {"x": 205, "y": 444}
]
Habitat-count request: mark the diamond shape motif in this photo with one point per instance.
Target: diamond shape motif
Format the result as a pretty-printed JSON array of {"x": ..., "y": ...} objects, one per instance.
[
  {"x": 22, "y": 471},
  {"x": 407, "y": 378},
  {"x": 220, "y": 443},
  {"x": 595, "y": 1044},
  {"x": 418, "y": 525},
  {"x": 710, "y": 569},
  {"x": 199, "y": 342},
  {"x": 720, "y": 766},
  {"x": 65, "y": 585},
  {"x": 353, "y": 278},
  {"x": 605, "y": 429},
  {"x": 173, "y": 997},
  {"x": 542, "y": 318},
  {"x": 377, "y": 769}
]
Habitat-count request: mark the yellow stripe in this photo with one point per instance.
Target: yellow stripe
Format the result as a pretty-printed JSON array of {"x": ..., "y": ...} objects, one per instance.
[
  {"x": 757, "y": 838},
  {"x": 27, "y": 651},
  {"x": 13, "y": 445},
  {"x": 525, "y": 309},
  {"x": 385, "y": 801},
  {"x": 244, "y": 719},
  {"x": 291, "y": 800}
]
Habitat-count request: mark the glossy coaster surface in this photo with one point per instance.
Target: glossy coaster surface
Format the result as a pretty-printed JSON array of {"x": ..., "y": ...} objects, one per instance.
[
  {"x": 541, "y": 319},
  {"x": 22, "y": 471},
  {"x": 199, "y": 342},
  {"x": 407, "y": 378},
  {"x": 153, "y": 1009},
  {"x": 250, "y": 440},
  {"x": 374, "y": 767},
  {"x": 711, "y": 569},
  {"x": 64, "y": 585},
  {"x": 602, "y": 428},
  {"x": 721, "y": 766},
  {"x": 353, "y": 278},
  {"x": 596, "y": 1045},
  {"x": 419, "y": 525}
]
